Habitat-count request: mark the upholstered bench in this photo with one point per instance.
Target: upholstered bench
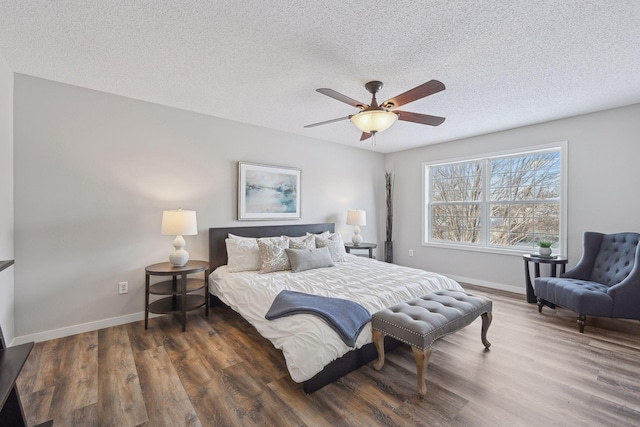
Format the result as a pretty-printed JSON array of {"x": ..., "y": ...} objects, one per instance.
[{"x": 423, "y": 320}]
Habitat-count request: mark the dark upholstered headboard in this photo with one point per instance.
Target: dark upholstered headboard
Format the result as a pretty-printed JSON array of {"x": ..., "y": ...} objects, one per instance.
[{"x": 218, "y": 249}]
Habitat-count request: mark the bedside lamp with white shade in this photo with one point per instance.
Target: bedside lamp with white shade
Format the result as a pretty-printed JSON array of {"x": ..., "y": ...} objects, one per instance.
[
  {"x": 357, "y": 218},
  {"x": 179, "y": 223}
]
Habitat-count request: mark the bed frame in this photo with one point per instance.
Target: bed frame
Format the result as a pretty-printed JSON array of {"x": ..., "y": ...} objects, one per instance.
[{"x": 339, "y": 367}]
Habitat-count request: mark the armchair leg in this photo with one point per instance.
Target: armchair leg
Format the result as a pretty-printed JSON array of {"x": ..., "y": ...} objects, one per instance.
[
  {"x": 581, "y": 322},
  {"x": 540, "y": 305}
]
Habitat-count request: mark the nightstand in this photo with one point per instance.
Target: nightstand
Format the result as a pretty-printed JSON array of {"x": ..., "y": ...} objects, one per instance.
[
  {"x": 362, "y": 246},
  {"x": 180, "y": 290}
]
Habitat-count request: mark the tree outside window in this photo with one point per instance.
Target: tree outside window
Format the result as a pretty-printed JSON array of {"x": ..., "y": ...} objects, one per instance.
[{"x": 509, "y": 201}]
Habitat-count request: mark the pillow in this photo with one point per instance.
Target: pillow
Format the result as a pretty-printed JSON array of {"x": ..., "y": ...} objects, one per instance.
[
  {"x": 308, "y": 259},
  {"x": 302, "y": 242},
  {"x": 233, "y": 236},
  {"x": 335, "y": 245},
  {"x": 323, "y": 234},
  {"x": 272, "y": 254},
  {"x": 243, "y": 255}
]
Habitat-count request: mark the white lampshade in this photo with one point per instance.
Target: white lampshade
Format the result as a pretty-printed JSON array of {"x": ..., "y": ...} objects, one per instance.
[
  {"x": 372, "y": 121},
  {"x": 179, "y": 223},
  {"x": 356, "y": 217}
]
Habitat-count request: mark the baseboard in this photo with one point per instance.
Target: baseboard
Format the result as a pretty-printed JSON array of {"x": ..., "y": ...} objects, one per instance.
[
  {"x": 78, "y": 329},
  {"x": 492, "y": 285},
  {"x": 121, "y": 320}
]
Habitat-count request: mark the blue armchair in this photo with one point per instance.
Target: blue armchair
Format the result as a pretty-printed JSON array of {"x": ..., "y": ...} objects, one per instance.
[{"x": 604, "y": 283}]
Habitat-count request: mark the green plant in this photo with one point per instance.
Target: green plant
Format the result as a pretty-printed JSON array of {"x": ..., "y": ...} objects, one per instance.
[{"x": 544, "y": 244}]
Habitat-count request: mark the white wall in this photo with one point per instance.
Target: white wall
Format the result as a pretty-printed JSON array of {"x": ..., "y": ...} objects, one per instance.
[
  {"x": 6, "y": 198},
  {"x": 603, "y": 179},
  {"x": 94, "y": 171}
]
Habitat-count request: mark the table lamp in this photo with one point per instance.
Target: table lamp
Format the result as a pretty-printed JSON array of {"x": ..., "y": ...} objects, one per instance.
[
  {"x": 179, "y": 223},
  {"x": 356, "y": 217}
]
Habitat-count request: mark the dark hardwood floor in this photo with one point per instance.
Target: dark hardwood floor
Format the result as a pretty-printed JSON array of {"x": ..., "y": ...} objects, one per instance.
[{"x": 539, "y": 372}]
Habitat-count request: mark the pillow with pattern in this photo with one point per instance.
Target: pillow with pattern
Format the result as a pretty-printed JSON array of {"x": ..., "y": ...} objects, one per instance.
[
  {"x": 272, "y": 254},
  {"x": 335, "y": 245},
  {"x": 243, "y": 255},
  {"x": 323, "y": 234},
  {"x": 302, "y": 242}
]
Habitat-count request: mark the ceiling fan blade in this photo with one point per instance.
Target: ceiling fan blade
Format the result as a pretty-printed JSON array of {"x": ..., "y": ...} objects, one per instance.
[
  {"x": 425, "y": 89},
  {"x": 342, "y": 98},
  {"x": 326, "y": 122},
  {"x": 364, "y": 136},
  {"x": 424, "y": 119}
]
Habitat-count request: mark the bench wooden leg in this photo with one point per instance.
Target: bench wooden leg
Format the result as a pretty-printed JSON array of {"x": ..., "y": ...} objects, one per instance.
[
  {"x": 422, "y": 360},
  {"x": 378, "y": 340},
  {"x": 486, "y": 322}
]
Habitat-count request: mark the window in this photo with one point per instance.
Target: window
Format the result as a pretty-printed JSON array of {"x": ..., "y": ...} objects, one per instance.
[{"x": 509, "y": 201}]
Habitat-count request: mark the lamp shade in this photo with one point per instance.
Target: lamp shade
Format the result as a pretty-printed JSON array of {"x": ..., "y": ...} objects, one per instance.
[
  {"x": 179, "y": 223},
  {"x": 372, "y": 121},
  {"x": 356, "y": 217}
]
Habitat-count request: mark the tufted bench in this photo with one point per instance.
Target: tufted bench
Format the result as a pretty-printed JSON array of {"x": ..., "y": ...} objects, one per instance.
[{"x": 423, "y": 320}]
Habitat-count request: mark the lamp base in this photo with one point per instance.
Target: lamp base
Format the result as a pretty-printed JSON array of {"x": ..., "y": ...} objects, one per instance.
[
  {"x": 179, "y": 257},
  {"x": 356, "y": 238}
]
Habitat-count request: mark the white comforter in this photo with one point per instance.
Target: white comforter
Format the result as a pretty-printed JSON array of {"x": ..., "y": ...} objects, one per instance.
[{"x": 307, "y": 342}]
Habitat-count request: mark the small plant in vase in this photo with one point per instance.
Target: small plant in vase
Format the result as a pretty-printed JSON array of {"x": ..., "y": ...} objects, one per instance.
[{"x": 545, "y": 247}]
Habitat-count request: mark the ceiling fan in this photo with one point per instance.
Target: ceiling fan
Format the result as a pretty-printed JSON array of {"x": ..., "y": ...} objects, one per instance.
[{"x": 374, "y": 118}]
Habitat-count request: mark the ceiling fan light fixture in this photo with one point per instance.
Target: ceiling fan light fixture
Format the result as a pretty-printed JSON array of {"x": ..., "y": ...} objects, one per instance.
[{"x": 372, "y": 121}]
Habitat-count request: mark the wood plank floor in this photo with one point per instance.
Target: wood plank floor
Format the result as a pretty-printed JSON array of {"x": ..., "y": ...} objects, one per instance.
[{"x": 539, "y": 371}]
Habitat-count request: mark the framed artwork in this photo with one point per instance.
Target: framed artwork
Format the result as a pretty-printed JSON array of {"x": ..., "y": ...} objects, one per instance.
[{"x": 268, "y": 192}]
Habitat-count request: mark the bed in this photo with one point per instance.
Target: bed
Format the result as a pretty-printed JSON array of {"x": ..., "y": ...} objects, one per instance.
[{"x": 314, "y": 353}]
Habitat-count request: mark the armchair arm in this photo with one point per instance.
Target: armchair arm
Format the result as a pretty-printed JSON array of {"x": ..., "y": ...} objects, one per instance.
[
  {"x": 626, "y": 294},
  {"x": 584, "y": 267}
]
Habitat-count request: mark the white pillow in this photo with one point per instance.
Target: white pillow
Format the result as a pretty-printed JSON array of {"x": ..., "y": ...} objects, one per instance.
[
  {"x": 335, "y": 245},
  {"x": 233, "y": 236},
  {"x": 302, "y": 242},
  {"x": 272, "y": 254},
  {"x": 243, "y": 255}
]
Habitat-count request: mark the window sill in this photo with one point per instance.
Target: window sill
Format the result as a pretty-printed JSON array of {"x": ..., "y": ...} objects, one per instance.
[{"x": 466, "y": 248}]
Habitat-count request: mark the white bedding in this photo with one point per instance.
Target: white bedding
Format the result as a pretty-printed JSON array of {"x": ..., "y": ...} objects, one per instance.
[{"x": 307, "y": 342}]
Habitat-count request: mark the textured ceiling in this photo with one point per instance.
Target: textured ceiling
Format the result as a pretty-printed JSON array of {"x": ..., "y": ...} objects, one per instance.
[{"x": 505, "y": 63}]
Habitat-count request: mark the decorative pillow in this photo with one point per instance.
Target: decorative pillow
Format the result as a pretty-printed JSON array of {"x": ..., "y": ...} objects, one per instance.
[
  {"x": 307, "y": 259},
  {"x": 302, "y": 242},
  {"x": 335, "y": 245},
  {"x": 242, "y": 254},
  {"x": 272, "y": 254},
  {"x": 323, "y": 234}
]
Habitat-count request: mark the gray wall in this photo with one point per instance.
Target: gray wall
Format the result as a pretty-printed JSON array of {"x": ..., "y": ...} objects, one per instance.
[
  {"x": 94, "y": 171},
  {"x": 6, "y": 198},
  {"x": 603, "y": 176}
]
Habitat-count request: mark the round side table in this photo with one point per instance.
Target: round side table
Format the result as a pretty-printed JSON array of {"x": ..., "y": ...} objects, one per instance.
[
  {"x": 537, "y": 260},
  {"x": 179, "y": 289}
]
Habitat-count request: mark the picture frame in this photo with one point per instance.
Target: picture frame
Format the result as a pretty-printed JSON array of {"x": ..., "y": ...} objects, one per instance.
[{"x": 268, "y": 192}]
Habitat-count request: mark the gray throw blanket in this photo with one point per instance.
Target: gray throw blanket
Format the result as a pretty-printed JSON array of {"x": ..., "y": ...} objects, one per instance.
[{"x": 345, "y": 317}]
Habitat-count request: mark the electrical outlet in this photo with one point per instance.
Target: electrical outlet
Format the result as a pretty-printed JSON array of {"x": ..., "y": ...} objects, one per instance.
[
  {"x": 410, "y": 252},
  {"x": 123, "y": 287}
]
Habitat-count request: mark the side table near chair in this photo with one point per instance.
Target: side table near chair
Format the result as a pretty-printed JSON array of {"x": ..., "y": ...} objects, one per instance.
[{"x": 537, "y": 260}]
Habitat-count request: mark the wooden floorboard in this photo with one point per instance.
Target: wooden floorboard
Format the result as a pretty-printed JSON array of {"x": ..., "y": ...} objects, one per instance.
[{"x": 221, "y": 372}]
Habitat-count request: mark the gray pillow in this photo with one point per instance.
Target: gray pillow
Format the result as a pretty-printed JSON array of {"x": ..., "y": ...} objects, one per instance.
[{"x": 307, "y": 259}]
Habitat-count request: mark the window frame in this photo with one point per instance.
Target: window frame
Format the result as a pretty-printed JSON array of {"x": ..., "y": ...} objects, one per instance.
[{"x": 483, "y": 246}]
